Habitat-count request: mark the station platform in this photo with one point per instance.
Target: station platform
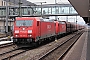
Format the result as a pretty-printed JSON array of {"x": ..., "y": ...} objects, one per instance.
[{"x": 80, "y": 49}]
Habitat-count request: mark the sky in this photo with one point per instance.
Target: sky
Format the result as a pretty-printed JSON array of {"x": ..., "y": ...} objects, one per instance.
[{"x": 48, "y": 1}]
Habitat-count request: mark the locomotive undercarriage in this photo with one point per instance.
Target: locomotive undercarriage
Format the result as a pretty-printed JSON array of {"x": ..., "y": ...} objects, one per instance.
[{"x": 23, "y": 40}]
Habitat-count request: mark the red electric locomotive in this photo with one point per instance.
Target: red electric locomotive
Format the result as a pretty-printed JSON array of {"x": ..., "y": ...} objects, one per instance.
[
  {"x": 32, "y": 30},
  {"x": 60, "y": 28}
]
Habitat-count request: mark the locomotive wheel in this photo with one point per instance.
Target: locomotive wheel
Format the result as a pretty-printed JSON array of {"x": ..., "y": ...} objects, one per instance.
[
  {"x": 53, "y": 38},
  {"x": 39, "y": 42},
  {"x": 34, "y": 44}
]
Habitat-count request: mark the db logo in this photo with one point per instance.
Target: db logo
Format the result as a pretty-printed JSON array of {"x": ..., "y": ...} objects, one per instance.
[{"x": 48, "y": 26}]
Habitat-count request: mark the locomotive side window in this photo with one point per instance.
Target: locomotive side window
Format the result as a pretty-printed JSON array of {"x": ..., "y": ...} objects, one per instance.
[{"x": 24, "y": 22}]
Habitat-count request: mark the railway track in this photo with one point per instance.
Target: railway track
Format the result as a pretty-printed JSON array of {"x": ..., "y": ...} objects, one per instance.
[
  {"x": 8, "y": 55},
  {"x": 5, "y": 40},
  {"x": 34, "y": 54},
  {"x": 6, "y": 45},
  {"x": 60, "y": 51}
]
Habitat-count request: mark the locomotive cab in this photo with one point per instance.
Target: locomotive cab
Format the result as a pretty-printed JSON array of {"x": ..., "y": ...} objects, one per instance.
[{"x": 23, "y": 30}]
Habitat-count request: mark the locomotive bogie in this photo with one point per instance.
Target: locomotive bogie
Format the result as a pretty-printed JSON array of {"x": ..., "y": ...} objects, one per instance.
[{"x": 23, "y": 40}]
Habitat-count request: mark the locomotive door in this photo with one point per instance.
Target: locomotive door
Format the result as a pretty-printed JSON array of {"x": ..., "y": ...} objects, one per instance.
[{"x": 39, "y": 28}]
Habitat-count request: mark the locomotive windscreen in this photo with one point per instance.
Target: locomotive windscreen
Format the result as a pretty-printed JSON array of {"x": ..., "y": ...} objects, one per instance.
[{"x": 24, "y": 22}]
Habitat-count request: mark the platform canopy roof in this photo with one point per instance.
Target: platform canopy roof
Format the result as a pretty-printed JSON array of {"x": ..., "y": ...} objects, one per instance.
[
  {"x": 81, "y": 6},
  {"x": 24, "y": 2}
]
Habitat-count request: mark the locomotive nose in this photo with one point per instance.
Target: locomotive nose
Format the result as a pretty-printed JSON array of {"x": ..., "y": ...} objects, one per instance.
[{"x": 23, "y": 34}]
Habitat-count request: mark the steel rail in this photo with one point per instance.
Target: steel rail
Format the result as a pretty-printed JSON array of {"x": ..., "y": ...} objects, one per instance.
[
  {"x": 13, "y": 55},
  {"x": 6, "y": 45},
  {"x": 68, "y": 49},
  {"x": 41, "y": 58}
]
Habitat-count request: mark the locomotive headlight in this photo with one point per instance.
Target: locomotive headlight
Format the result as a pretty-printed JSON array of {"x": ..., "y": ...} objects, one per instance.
[
  {"x": 29, "y": 31},
  {"x": 30, "y": 35},
  {"x": 16, "y": 31},
  {"x": 16, "y": 35}
]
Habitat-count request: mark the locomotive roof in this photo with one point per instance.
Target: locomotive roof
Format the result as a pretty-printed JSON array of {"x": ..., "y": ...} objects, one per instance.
[{"x": 37, "y": 18}]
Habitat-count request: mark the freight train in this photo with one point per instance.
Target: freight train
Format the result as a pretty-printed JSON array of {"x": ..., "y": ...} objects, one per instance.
[{"x": 33, "y": 30}]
